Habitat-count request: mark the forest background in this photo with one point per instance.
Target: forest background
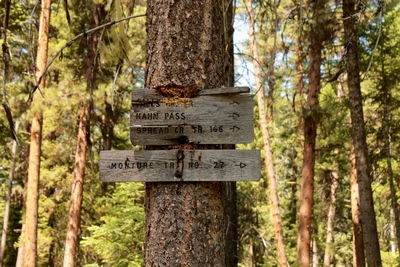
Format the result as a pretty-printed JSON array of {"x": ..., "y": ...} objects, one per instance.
[{"x": 112, "y": 214}]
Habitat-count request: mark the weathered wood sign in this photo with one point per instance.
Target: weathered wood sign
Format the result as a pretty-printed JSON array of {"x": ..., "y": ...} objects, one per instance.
[
  {"x": 215, "y": 116},
  {"x": 179, "y": 165}
]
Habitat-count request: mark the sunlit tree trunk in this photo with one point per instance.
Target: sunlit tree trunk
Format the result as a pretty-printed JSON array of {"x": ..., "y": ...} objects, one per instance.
[
  {"x": 395, "y": 220},
  {"x": 315, "y": 257},
  {"x": 272, "y": 183},
  {"x": 329, "y": 250},
  {"x": 72, "y": 239},
  {"x": 32, "y": 198},
  {"x": 310, "y": 135},
  {"x": 185, "y": 53},
  {"x": 367, "y": 211},
  {"x": 74, "y": 219},
  {"x": 358, "y": 243}
]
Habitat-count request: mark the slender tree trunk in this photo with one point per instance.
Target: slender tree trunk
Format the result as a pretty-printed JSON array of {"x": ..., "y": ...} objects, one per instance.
[
  {"x": 358, "y": 243},
  {"x": 315, "y": 257},
  {"x": 107, "y": 132},
  {"x": 271, "y": 64},
  {"x": 310, "y": 135},
  {"x": 185, "y": 222},
  {"x": 293, "y": 189},
  {"x": 74, "y": 220},
  {"x": 21, "y": 248},
  {"x": 272, "y": 183},
  {"x": 393, "y": 232},
  {"x": 8, "y": 198},
  {"x": 370, "y": 233},
  {"x": 72, "y": 238},
  {"x": 299, "y": 60},
  {"x": 393, "y": 197},
  {"x": 32, "y": 199},
  {"x": 251, "y": 252},
  {"x": 329, "y": 250}
]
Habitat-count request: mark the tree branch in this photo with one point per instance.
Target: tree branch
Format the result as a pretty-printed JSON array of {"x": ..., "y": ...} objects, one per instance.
[{"x": 70, "y": 42}]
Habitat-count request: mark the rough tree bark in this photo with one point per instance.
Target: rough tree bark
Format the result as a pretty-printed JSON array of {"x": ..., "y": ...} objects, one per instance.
[
  {"x": 310, "y": 116},
  {"x": 358, "y": 244},
  {"x": 74, "y": 220},
  {"x": 329, "y": 250},
  {"x": 185, "y": 222},
  {"x": 32, "y": 198},
  {"x": 367, "y": 211},
  {"x": 269, "y": 164}
]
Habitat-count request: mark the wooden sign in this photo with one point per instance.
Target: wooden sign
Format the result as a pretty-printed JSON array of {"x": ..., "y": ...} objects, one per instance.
[
  {"x": 179, "y": 165},
  {"x": 215, "y": 116}
]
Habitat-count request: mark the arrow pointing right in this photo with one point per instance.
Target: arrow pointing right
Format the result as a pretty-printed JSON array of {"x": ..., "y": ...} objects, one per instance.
[
  {"x": 241, "y": 165},
  {"x": 234, "y": 115},
  {"x": 235, "y": 128}
]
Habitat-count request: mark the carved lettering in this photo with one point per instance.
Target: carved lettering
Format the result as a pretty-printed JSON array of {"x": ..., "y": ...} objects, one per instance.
[
  {"x": 147, "y": 116},
  {"x": 145, "y": 103},
  {"x": 179, "y": 130},
  {"x": 216, "y": 129},
  {"x": 152, "y": 130},
  {"x": 131, "y": 165},
  {"x": 219, "y": 165},
  {"x": 188, "y": 103},
  {"x": 174, "y": 116},
  {"x": 197, "y": 129},
  {"x": 170, "y": 165},
  {"x": 193, "y": 165}
]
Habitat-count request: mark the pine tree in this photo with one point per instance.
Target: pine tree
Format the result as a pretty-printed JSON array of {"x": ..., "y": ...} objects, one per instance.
[
  {"x": 194, "y": 211},
  {"x": 31, "y": 216},
  {"x": 272, "y": 183},
  {"x": 72, "y": 239},
  {"x": 367, "y": 211}
]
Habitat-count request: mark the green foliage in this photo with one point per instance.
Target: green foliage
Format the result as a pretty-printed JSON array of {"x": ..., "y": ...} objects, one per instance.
[{"x": 118, "y": 239}]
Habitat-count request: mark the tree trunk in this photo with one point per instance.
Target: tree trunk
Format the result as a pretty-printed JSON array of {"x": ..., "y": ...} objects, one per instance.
[
  {"x": 310, "y": 133},
  {"x": 21, "y": 248},
  {"x": 393, "y": 232},
  {"x": 271, "y": 64},
  {"x": 74, "y": 220},
  {"x": 315, "y": 258},
  {"x": 8, "y": 198},
  {"x": 394, "y": 209},
  {"x": 299, "y": 61},
  {"x": 272, "y": 183},
  {"x": 185, "y": 222},
  {"x": 368, "y": 220},
  {"x": 358, "y": 244},
  {"x": 329, "y": 250},
  {"x": 32, "y": 199},
  {"x": 72, "y": 237}
]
